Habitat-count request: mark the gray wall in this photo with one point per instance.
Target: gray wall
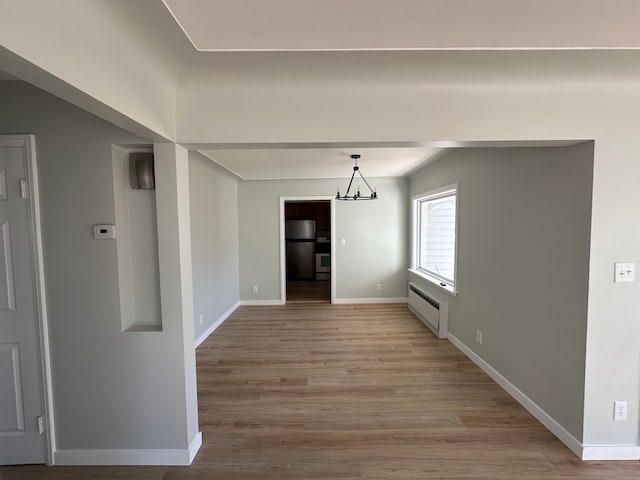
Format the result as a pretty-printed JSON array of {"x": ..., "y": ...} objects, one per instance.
[
  {"x": 375, "y": 232},
  {"x": 214, "y": 240},
  {"x": 112, "y": 389},
  {"x": 523, "y": 265}
]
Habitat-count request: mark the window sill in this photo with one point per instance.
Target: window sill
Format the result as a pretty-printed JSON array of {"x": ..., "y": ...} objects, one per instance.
[{"x": 435, "y": 282}]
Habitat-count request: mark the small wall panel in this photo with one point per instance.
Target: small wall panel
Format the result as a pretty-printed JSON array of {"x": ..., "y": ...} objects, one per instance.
[
  {"x": 11, "y": 412},
  {"x": 7, "y": 282},
  {"x": 3, "y": 183}
]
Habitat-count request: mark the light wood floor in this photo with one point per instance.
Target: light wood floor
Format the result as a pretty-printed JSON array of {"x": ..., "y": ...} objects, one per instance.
[{"x": 352, "y": 392}]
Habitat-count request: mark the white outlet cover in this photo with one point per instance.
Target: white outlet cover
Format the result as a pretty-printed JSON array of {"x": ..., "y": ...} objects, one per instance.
[
  {"x": 620, "y": 410},
  {"x": 625, "y": 272},
  {"x": 478, "y": 336}
]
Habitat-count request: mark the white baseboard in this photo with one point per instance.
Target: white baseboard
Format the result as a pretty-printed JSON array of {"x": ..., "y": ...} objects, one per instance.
[
  {"x": 216, "y": 324},
  {"x": 351, "y": 301},
  {"x": 196, "y": 443},
  {"x": 261, "y": 302},
  {"x": 610, "y": 452},
  {"x": 128, "y": 457},
  {"x": 543, "y": 417}
]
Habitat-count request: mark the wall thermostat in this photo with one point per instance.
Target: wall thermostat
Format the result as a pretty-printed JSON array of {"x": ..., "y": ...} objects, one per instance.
[{"x": 104, "y": 232}]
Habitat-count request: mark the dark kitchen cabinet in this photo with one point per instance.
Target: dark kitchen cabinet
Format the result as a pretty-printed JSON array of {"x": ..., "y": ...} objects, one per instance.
[{"x": 318, "y": 211}]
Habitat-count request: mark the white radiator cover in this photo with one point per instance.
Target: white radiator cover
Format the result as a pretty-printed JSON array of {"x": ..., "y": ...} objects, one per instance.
[{"x": 431, "y": 311}]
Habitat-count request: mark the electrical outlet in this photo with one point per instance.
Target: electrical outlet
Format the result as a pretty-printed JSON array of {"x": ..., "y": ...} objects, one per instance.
[
  {"x": 255, "y": 289},
  {"x": 378, "y": 287},
  {"x": 625, "y": 272},
  {"x": 201, "y": 319},
  {"x": 620, "y": 410},
  {"x": 479, "y": 336}
]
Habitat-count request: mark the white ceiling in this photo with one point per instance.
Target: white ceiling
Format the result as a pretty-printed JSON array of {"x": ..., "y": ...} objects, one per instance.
[
  {"x": 271, "y": 164},
  {"x": 255, "y": 25},
  {"x": 451, "y": 33},
  {"x": 288, "y": 161}
]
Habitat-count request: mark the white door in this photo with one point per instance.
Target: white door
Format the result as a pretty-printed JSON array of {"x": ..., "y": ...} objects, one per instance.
[{"x": 21, "y": 398}]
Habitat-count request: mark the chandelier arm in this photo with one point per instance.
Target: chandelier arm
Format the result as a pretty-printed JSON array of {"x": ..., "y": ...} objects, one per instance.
[
  {"x": 350, "y": 182},
  {"x": 365, "y": 181}
]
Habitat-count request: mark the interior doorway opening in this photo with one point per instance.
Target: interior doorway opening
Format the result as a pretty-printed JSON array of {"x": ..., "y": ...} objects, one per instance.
[{"x": 307, "y": 265}]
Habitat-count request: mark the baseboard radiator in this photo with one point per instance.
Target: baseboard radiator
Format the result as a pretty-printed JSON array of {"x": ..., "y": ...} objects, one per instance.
[{"x": 430, "y": 311}]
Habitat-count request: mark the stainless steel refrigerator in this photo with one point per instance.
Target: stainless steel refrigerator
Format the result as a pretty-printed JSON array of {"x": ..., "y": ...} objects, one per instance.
[{"x": 300, "y": 236}]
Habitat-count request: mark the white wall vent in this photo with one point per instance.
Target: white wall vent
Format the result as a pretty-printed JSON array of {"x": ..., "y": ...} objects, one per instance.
[{"x": 430, "y": 311}]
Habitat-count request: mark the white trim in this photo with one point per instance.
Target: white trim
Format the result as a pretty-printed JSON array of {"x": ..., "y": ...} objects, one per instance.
[
  {"x": 261, "y": 302},
  {"x": 196, "y": 443},
  {"x": 353, "y": 301},
  {"x": 413, "y": 49},
  {"x": 333, "y": 250},
  {"x": 436, "y": 193},
  {"x": 433, "y": 282},
  {"x": 129, "y": 457},
  {"x": 203, "y": 336},
  {"x": 28, "y": 142},
  {"x": 47, "y": 380},
  {"x": 453, "y": 189},
  {"x": 610, "y": 452},
  {"x": 543, "y": 417},
  {"x": 184, "y": 30},
  {"x": 283, "y": 251},
  {"x": 283, "y": 256}
]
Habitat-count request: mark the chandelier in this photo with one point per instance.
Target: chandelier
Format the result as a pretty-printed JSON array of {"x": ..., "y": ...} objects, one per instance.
[{"x": 355, "y": 195}]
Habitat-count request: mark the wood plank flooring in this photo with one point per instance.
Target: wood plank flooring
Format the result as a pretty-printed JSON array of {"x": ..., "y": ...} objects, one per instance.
[{"x": 351, "y": 392}]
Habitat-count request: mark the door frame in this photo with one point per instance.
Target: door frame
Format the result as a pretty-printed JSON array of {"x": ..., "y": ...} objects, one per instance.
[
  {"x": 28, "y": 142},
  {"x": 283, "y": 255}
]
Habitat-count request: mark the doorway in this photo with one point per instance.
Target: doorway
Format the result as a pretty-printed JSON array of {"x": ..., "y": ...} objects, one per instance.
[{"x": 307, "y": 260}]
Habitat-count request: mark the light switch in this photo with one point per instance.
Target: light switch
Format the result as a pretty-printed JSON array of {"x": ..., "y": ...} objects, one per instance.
[
  {"x": 343, "y": 241},
  {"x": 625, "y": 272},
  {"x": 104, "y": 232}
]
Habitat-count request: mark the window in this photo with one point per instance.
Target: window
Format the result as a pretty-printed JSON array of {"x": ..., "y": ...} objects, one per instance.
[{"x": 434, "y": 236}]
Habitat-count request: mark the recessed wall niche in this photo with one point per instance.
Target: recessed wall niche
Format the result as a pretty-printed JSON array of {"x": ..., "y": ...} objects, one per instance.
[{"x": 137, "y": 247}]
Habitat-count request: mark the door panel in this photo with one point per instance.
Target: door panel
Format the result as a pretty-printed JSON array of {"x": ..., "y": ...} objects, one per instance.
[
  {"x": 21, "y": 396},
  {"x": 11, "y": 414},
  {"x": 3, "y": 183},
  {"x": 7, "y": 282}
]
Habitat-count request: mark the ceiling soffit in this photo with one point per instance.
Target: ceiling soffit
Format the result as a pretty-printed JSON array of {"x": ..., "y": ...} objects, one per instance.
[{"x": 307, "y": 25}]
